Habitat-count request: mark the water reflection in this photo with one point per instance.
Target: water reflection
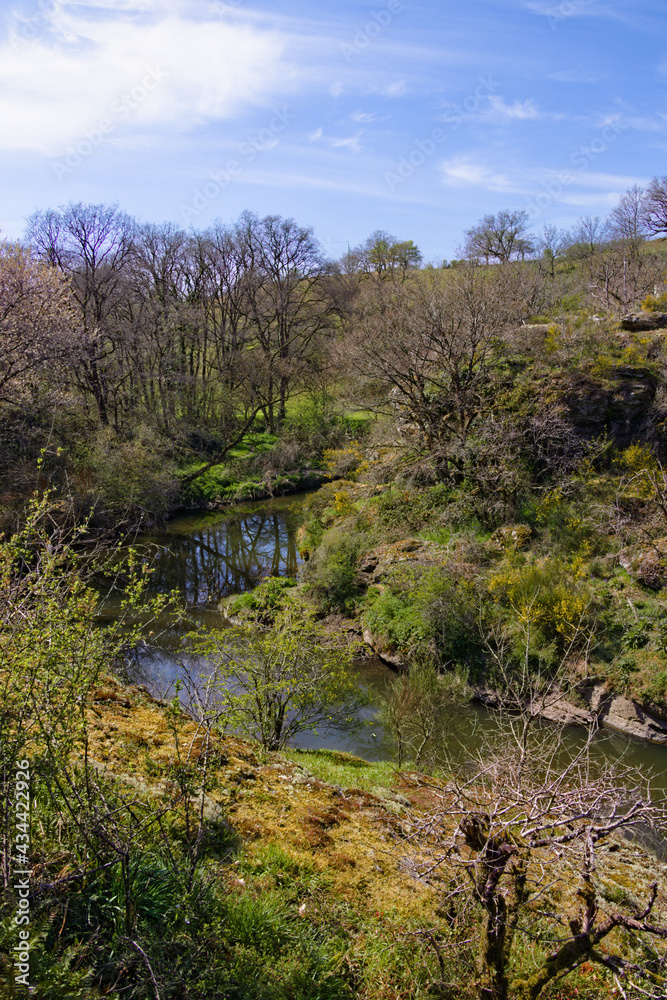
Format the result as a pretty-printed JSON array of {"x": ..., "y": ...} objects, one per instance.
[{"x": 209, "y": 557}]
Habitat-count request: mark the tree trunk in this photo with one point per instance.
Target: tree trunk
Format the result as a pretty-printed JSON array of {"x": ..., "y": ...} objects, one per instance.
[{"x": 492, "y": 963}]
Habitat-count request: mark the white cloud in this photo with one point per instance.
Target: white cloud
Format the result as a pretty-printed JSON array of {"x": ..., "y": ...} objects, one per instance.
[
  {"x": 522, "y": 110},
  {"x": 614, "y": 183},
  {"x": 578, "y": 75},
  {"x": 461, "y": 171},
  {"x": 84, "y": 63},
  {"x": 352, "y": 142},
  {"x": 336, "y": 89},
  {"x": 364, "y": 117},
  {"x": 561, "y": 10}
]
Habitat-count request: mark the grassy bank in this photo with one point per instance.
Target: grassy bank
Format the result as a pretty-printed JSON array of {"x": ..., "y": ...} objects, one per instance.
[{"x": 303, "y": 884}]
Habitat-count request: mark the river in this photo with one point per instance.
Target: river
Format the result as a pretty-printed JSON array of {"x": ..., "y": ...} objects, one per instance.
[{"x": 209, "y": 556}]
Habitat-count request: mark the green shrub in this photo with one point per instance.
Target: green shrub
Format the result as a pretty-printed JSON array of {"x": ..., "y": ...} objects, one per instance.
[
  {"x": 414, "y": 508},
  {"x": 395, "y": 619},
  {"x": 130, "y": 482},
  {"x": 330, "y": 576},
  {"x": 549, "y": 604},
  {"x": 265, "y": 600},
  {"x": 655, "y": 690},
  {"x": 455, "y": 612},
  {"x": 437, "y": 615}
]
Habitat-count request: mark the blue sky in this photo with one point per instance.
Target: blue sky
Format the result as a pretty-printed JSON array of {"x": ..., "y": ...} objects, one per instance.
[{"x": 415, "y": 117}]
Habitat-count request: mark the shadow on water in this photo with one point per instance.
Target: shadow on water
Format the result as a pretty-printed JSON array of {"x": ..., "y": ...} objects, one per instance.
[{"x": 208, "y": 557}]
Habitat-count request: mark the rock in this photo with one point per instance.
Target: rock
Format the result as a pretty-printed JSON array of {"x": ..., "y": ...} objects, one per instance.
[
  {"x": 627, "y": 717},
  {"x": 384, "y": 653},
  {"x": 620, "y": 403},
  {"x": 393, "y": 801},
  {"x": 510, "y": 536},
  {"x": 611, "y": 711},
  {"x": 302, "y": 776},
  {"x": 422, "y": 554},
  {"x": 486, "y": 695},
  {"x": 647, "y": 563},
  {"x": 558, "y": 709},
  {"x": 644, "y": 320}
]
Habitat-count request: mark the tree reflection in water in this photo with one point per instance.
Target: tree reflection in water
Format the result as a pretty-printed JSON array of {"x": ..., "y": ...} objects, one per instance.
[{"x": 208, "y": 558}]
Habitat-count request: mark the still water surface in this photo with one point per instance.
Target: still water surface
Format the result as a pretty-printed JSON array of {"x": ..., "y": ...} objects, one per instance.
[{"x": 209, "y": 556}]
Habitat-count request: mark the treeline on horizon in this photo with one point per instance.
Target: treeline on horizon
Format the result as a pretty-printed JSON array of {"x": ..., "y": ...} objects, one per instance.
[{"x": 136, "y": 357}]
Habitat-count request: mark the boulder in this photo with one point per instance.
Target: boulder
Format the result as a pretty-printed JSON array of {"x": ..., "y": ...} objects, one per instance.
[
  {"x": 600, "y": 705},
  {"x": 379, "y": 563},
  {"x": 510, "y": 536},
  {"x": 646, "y": 563},
  {"x": 644, "y": 320},
  {"x": 628, "y": 717},
  {"x": 390, "y": 657}
]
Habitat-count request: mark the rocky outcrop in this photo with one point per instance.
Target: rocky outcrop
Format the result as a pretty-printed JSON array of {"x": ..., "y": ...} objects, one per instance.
[
  {"x": 645, "y": 320},
  {"x": 419, "y": 554},
  {"x": 510, "y": 537},
  {"x": 625, "y": 716},
  {"x": 646, "y": 563},
  {"x": 618, "y": 404},
  {"x": 600, "y": 706},
  {"x": 390, "y": 657}
]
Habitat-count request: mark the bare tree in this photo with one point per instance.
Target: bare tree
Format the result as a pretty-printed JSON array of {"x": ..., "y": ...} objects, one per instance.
[
  {"x": 37, "y": 322},
  {"x": 627, "y": 221},
  {"x": 285, "y": 302},
  {"x": 424, "y": 350},
  {"x": 91, "y": 245},
  {"x": 588, "y": 237},
  {"x": 501, "y": 237},
  {"x": 655, "y": 207},
  {"x": 526, "y": 826},
  {"x": 551, "y": 243},
  {"x": 159, "y": 323}
]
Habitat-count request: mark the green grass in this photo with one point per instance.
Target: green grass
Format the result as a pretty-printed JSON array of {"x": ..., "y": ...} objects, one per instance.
[{"x": 344, "y": 769}]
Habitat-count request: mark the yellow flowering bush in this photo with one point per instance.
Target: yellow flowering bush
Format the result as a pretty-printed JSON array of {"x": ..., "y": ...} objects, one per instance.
[
  {"x": 348, "y": 461},
  {"x": 655, "y": 303},
  {"x": 546, "y": 595}
]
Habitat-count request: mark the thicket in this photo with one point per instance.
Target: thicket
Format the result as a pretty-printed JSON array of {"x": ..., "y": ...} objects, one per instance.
[
  {"x": 152, "y": 367},
  {"x": 528, "y": 470}
]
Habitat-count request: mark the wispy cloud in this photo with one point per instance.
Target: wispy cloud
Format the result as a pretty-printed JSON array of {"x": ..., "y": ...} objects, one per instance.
[
  {"x": 352, "y": 142},
  {"x": 55, "y": 87},
  {"x": 642, "y": 15},
  {"x": 394, "y": 88},
  {"x": 366, "y": 117},
  {"x": 578, "y": 75},
  {"x": 520, "y": 110},
  {"x": 595, "y": 186},
  {"x": 461, "y": 171}
]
